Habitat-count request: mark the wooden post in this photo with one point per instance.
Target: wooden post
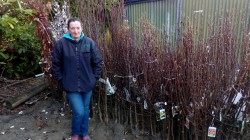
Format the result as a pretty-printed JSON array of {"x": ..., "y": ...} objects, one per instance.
[{"x": 34, "y": 90}]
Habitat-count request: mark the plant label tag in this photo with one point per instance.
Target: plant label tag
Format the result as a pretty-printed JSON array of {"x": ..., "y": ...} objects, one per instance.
[
  {"x": 187, "y": 123},
  {"x": 212, "y": 131},
  {"x": 161, "y": 114}
]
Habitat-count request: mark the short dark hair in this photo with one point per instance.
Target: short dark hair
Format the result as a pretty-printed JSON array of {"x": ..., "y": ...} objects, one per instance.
[{"x": 73, "y": 19}]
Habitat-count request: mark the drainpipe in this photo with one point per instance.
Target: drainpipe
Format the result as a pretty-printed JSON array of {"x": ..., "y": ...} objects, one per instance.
[{"x": 178, "y": 20}]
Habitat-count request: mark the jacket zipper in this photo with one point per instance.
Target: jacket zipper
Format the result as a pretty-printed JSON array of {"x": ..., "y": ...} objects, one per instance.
[{"x": 78, "y": 72}]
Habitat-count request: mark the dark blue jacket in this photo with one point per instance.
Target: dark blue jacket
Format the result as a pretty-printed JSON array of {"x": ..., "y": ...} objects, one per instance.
[{"x": 76, "y": 64}]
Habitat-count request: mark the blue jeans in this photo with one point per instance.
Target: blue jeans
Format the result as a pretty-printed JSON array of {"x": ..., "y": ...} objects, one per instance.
[{"x": 79, "y": 103}]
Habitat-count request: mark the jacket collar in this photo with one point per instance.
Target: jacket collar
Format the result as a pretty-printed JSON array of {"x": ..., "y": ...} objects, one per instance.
[{"x": 68, "y": 36}]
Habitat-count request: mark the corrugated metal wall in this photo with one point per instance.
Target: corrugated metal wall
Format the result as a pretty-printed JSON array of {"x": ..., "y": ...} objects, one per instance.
[
  {"x": 205, "y": 13},
  {"x": 162, "y": 14},
  {"x": 165, "y": 14},
  {"x": 198, "y": 10}
]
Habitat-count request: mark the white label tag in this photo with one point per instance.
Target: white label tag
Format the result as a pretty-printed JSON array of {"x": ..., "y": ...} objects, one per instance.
[{"x": 212, "y": 132}]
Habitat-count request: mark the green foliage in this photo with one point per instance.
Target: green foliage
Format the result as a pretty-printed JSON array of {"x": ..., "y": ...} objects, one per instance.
[
  {"x": 19, "y": 46},
  {"x": 3, "y": 55},
  {"x": 73, "y": 9}
]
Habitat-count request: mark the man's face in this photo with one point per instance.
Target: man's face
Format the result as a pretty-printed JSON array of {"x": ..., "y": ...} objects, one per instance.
[{"x": 75, "y": 29}]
